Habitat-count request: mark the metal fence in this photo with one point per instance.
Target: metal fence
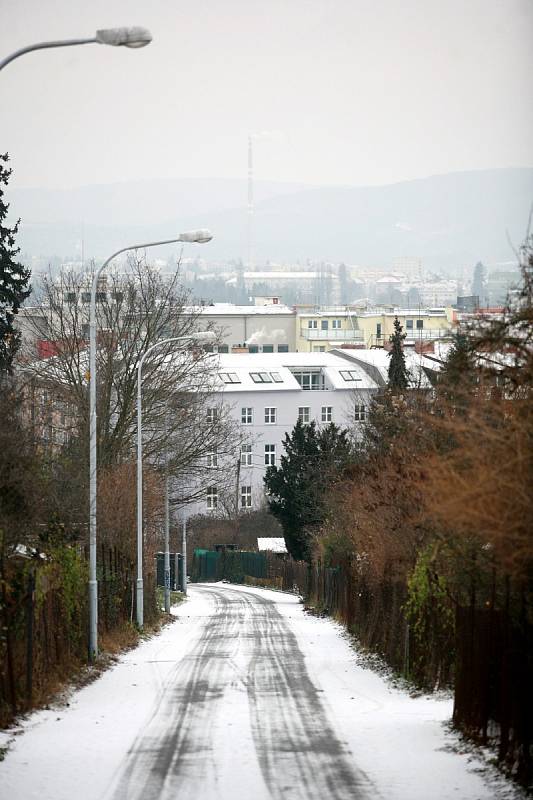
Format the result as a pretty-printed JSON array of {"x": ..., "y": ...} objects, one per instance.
[
  {"x": 231, "y": 565},
  {"x": 44, "y": 619},
  {"x": 493, "y": 700}
]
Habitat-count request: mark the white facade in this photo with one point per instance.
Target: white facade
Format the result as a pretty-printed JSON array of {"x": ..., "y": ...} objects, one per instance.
[
  {"x": 264, "y": 328},
  {"x": 266, "y": 393}
]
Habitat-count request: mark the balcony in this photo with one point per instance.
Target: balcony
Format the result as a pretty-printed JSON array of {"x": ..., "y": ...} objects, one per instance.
[
  {"x": 334, "y": 335},
  {"x": 416, "y": 335}
]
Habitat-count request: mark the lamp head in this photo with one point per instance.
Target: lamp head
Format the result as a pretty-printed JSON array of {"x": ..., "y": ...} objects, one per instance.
[
  {"x": 200, "y": 237},
  {"x": 124, "y": 37}
]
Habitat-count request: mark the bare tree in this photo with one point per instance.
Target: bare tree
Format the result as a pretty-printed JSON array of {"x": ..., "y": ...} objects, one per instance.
[{"x": 182, "y": 419}]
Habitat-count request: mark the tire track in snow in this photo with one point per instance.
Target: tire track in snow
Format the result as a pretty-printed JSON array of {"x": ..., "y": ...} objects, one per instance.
[
  {"x": 300, "y": 755},
  {"x": 174, "y": 752}
]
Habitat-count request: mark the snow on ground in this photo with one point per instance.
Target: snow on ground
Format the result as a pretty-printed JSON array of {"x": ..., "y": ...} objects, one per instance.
[{"x": 103, "y": 745}]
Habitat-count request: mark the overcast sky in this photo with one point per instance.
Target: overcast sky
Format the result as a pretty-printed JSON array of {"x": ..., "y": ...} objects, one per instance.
[{"x": 355, "y": 91}]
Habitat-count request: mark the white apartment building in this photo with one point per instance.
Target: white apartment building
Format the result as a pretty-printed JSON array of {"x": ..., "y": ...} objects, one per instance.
[{"x": 266, "y": 394}]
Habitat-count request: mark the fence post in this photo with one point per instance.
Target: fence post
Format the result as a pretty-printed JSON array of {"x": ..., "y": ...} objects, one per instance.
[
  {"x": 29, "y": 638},
  {"x": 406, "y": 651}
]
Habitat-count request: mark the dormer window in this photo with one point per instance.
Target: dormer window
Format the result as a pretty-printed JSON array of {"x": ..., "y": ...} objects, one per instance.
[
  {"x": 309, "y": 379},
  {"x": 349, "y": 375},
  {"x": 229, "y": 377},
  {"x": 260, "y": 377}
]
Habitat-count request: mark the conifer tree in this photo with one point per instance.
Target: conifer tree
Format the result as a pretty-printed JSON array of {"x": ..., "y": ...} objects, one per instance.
[
  {"x": 14, "y": 278},
  {"x": 397, "y": 373},
  {"x": 297, "y": 487},
  {"x": 458, "y": 374}
]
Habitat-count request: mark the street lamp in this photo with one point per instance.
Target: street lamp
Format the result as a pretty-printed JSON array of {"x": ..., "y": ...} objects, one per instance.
[
  {"x": 117, "y": 37},
  {"x": 202, "y": 337},
  {"x": 200, "y": 236}
]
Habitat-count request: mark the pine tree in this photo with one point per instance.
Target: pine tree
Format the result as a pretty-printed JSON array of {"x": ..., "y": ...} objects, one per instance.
[
  {"x": 459, "y": 365},
  {"x": 457, "y": 377},
  {"x": 297, "y": 488},
  {"x": 14, "y": 278},
  {"x": 398, "y": 377}
]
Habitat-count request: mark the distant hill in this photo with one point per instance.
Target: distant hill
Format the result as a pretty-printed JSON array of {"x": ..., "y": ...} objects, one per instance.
[{"x": 448, "y": 220}]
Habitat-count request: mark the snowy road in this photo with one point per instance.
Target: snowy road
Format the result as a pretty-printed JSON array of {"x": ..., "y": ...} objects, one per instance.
[{"x": 245, "y": 696}]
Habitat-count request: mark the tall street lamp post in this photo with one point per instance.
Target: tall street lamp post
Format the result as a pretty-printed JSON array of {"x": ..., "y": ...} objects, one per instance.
[
  {"x": 202, "y": 337},
  {"x": 117, "y": 37},
  {"x": 184, "y": 554},
  {"x": 200, "y": 236}
]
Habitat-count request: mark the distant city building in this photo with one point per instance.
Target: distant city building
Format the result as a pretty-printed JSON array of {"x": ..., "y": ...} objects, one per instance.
[
  {"x": 411, "y": 266},
  {"x": 467, "y": 302},
  {"x": 320, "y": 330},
  {"x": 262, "y": 328}
]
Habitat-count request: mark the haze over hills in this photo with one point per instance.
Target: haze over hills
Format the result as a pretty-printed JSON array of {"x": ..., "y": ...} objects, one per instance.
[{"x": 449, "y": 220}]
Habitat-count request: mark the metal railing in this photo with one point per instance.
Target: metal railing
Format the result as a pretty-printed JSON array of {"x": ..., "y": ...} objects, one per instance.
[{"x": 314, "y": 334}]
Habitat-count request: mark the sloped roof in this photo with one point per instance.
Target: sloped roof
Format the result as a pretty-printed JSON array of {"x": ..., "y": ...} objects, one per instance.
[{"x": 272, "y": 544}]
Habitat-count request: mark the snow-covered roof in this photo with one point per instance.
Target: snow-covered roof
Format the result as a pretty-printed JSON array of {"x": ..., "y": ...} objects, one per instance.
[
  {"x": 376, "y": 362},
  {"x": 271, "y": 543},
  {"x": 228, "y": 309},
  {"x": 237, "y": 372}
]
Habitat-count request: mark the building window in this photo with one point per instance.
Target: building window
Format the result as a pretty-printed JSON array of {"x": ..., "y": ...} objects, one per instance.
[
  {"x": 349, "y": 375},
  {"x": 223, "y": 348},
  {"x": 409, "y": 324},
  {"x": 378, "y": 330},
  {"x": 253, "y": 348},
  {"x": 419, "y": 324},
  {"x": 283, "y": 348},
  {"x": 246, "y": 496},
  {"x": 270, "y": 416},
  {"x": 260, "y": 377},
  {"x": 360, "y": 413},
  {"x": 229, "y": 377},
  {"x": 309, "y": 379},
  {"x": 303, "y": 414},
  {"x": 336, "y": 324},
  {"x": 276, "y": 377},
  {"x": 246, "y": 455},
  {"x": 312, "y": 323},
  {"x": 324, "y": 324},
  {"x": 212, "y": 459},
  {"x": 212, "y": 497},
  {"x": 212, "y": 415},
  {"x": 270, "y": 455},
  {"x": 327, "y": 413},
  {"x": 247, "y": 416},
  {"x": 268, "y": 348}
]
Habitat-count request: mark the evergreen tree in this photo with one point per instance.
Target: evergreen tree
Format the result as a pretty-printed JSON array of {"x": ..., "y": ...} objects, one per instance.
[
  {"x": 398, "y": 377},
  {"x": 14, "y": 278},
  {"x": 296, "y": 489},
  {"x": 458, "y": 375},
  {"x": 459, "y": 365}
]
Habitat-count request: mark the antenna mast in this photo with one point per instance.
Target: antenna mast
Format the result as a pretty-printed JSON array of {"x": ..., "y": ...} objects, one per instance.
[{"x": 250, "y": 203}]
